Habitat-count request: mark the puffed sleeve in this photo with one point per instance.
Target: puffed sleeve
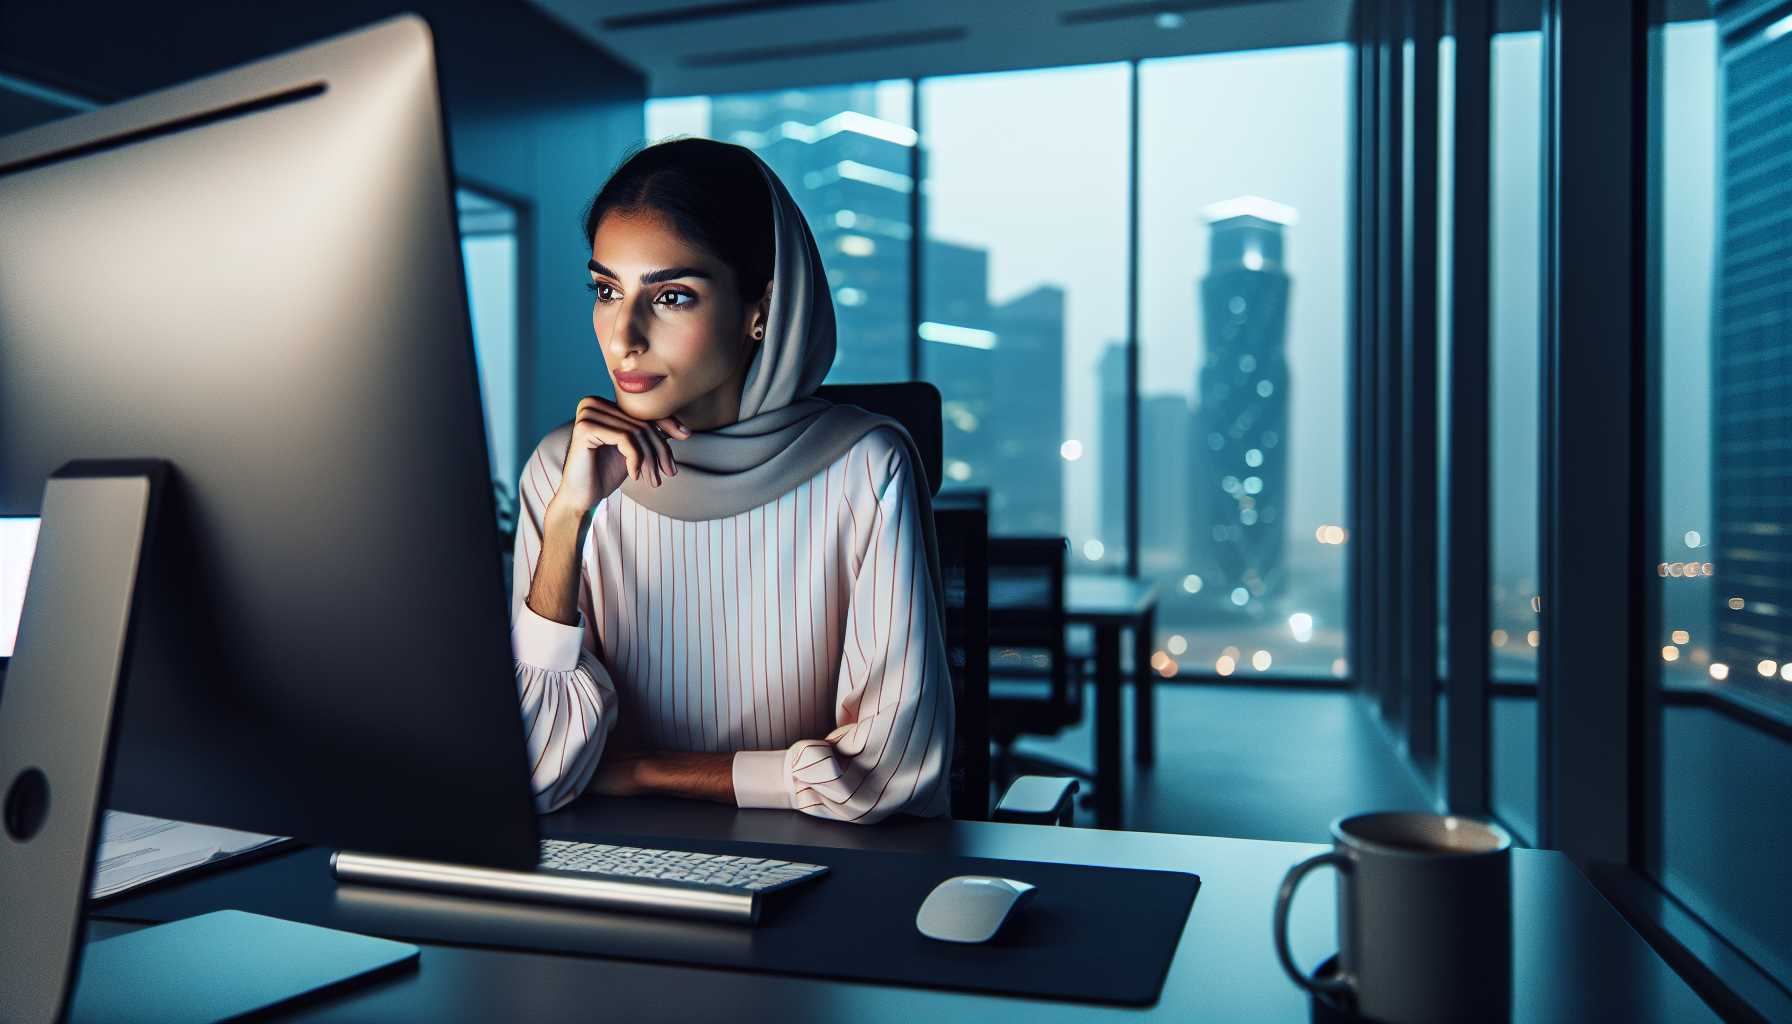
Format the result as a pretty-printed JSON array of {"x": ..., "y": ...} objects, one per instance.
[
  {"x": 892, "y": 745},
  {"x": 568, "y": 698}
]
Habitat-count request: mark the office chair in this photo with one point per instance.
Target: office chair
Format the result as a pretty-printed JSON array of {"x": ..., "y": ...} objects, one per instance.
[
  {"x": 913, "y": 403},
  {"x": 1027, "y": 568},
  {"x": 962, "y": 528},
  {"x": 1027, "y": 636},
  {"x": 963, "y": 532}
]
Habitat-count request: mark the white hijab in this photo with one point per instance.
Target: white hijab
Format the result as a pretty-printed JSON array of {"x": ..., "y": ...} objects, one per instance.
[{"x": 785, "y": 435}]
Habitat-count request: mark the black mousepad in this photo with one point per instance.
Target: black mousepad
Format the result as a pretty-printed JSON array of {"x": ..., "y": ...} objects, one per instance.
[{"x": 1091, "y": 934}]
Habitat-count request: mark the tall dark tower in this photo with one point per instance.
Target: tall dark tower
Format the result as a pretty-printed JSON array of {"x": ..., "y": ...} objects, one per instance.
[
  {"x": 1241, "y": 421},
  {"x": 1751, "y": 472}
]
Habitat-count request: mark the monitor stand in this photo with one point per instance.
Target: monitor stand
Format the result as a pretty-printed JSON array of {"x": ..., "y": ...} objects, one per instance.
[{"x": 64, "y": 691}]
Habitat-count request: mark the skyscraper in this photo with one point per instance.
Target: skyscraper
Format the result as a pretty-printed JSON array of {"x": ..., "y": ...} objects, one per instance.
[
  {"x": 1000, "y": 372},
  {"x": 849, "y": 173},
  {"x": 1028, "y": 401},
  {"x": 1751, "y": 466},
  {"x": 1241, "y": 419},
  {"x": 1166, "y": 519},
  {"x": 958, "y": 356}
]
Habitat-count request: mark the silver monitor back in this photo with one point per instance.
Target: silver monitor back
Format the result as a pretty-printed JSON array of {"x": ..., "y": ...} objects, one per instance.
[{"x": 257, "y": 277}]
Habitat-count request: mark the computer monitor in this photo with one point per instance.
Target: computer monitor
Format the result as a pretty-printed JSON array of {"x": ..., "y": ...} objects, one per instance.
[
  {"x": 238, "y": 384},
  {"x": 256, "y": 277}
]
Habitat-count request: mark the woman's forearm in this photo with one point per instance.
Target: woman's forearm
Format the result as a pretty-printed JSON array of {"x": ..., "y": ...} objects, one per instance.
[
  {"x": 554, "y": 590},
  {"x": 703, "y": 776},
  {"x": 696, "y": 776}
]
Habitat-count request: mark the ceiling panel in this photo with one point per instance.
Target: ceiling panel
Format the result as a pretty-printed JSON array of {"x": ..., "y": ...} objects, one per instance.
[{"x": 688, "y": 47}]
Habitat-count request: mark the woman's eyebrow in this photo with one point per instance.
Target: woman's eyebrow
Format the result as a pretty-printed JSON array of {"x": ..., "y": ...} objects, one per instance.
[{"x": 653, "y": 276}]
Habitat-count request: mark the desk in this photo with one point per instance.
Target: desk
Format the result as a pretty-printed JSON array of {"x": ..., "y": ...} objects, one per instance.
[
  {"x": 1108, "y": 603},
  {"x": 1576, "y": 959}
]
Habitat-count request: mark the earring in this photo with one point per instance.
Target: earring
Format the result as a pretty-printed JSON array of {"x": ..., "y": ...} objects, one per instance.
[{"x": 758, "y": 332}]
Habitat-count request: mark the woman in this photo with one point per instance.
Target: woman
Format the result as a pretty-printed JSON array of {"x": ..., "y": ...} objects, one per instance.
[{"x": 726, "y": 588}]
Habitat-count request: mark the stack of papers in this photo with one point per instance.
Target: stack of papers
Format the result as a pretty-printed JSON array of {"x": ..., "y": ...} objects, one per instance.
[{"x": 135, "y": 849}]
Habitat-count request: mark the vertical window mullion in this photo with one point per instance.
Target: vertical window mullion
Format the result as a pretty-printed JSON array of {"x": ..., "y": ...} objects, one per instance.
[
  {"x": 1419, "y": 528},
  {"x": 1466, "y": 776},
  {"x": 916, "y": 232},
  {"x": 1591, "y": 676},
  {"x": 1389, "y": 475},
  {"x": 1132, "y": 326},
  {"x": 1364, "y": 523}
]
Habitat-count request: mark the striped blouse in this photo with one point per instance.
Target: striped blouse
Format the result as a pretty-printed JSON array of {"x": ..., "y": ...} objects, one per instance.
[{"x": 800, "y": 635}]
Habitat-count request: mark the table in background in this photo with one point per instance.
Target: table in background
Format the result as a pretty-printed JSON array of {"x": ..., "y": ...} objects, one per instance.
[
  {"x": 1107, "y": 603},
  {"x": 1575, "y": 958}
]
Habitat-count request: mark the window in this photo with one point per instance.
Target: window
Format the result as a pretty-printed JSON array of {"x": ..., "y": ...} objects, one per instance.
[
  {"x": 1243, "y": 321},
  {"x": 1515, "y": 417},
  {"x": 488, "y": 244},
  {"x": 1024, "y": 296},
  {"x": 1722, "y": 345},
  {"x": 846, "y": 155},
  {"x": 1026, "y": 292}
]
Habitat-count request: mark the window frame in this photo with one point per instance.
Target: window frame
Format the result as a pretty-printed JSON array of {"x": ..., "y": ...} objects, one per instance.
[{"x": 522, "y": 213}]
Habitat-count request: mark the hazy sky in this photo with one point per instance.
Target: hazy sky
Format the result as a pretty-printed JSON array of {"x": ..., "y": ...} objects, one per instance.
[
  {"x": 1688, "y": 212},
  {"x": 1515, "y": 324}
]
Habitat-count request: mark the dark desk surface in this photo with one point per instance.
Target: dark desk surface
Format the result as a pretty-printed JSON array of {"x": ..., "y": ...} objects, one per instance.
[{"x": 1576, "y": 959}]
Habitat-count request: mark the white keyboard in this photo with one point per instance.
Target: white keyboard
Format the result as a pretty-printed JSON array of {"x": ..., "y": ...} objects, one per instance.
[
  {"x": 599, "y": 876},
  {"x": 710, "y": 870}
]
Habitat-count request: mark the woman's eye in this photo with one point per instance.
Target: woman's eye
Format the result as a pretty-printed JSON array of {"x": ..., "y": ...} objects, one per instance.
[
  {"x": 686, "y": 296},
  {"x": 601, "y": 290}
]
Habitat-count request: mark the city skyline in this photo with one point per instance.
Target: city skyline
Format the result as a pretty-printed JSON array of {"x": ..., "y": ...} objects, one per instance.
[{"x": 1034, "y": 218}]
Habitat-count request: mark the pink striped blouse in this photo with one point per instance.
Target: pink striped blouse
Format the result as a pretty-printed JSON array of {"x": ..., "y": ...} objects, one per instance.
[{"x": 801, "y": 635}]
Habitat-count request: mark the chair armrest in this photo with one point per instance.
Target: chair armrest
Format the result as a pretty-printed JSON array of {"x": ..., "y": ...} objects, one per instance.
[{"x": 1038, "y": 800}]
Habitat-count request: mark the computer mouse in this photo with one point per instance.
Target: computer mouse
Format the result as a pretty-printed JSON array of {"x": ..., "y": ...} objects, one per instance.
[{"x": 970, "y": 908}]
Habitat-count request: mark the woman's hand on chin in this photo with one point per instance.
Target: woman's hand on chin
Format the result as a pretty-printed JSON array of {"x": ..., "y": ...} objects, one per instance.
[{"x": 608, "y": 446}]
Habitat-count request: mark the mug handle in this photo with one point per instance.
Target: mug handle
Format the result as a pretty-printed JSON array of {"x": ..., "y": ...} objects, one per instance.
[{"x": 1286, "y": 897}]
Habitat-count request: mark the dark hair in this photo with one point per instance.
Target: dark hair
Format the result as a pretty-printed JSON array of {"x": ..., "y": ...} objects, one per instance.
[{"x": 711, "y": 192}]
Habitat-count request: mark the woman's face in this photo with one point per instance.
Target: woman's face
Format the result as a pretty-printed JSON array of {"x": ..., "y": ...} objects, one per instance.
[{"x": 676, "y": 334}]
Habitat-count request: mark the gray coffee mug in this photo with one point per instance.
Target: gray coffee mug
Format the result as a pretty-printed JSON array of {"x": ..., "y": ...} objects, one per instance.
[{"x": 1424, "y": 918}]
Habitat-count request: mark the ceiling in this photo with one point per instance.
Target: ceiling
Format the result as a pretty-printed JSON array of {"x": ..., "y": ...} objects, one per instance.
[{"x": 690, "y": 47}]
